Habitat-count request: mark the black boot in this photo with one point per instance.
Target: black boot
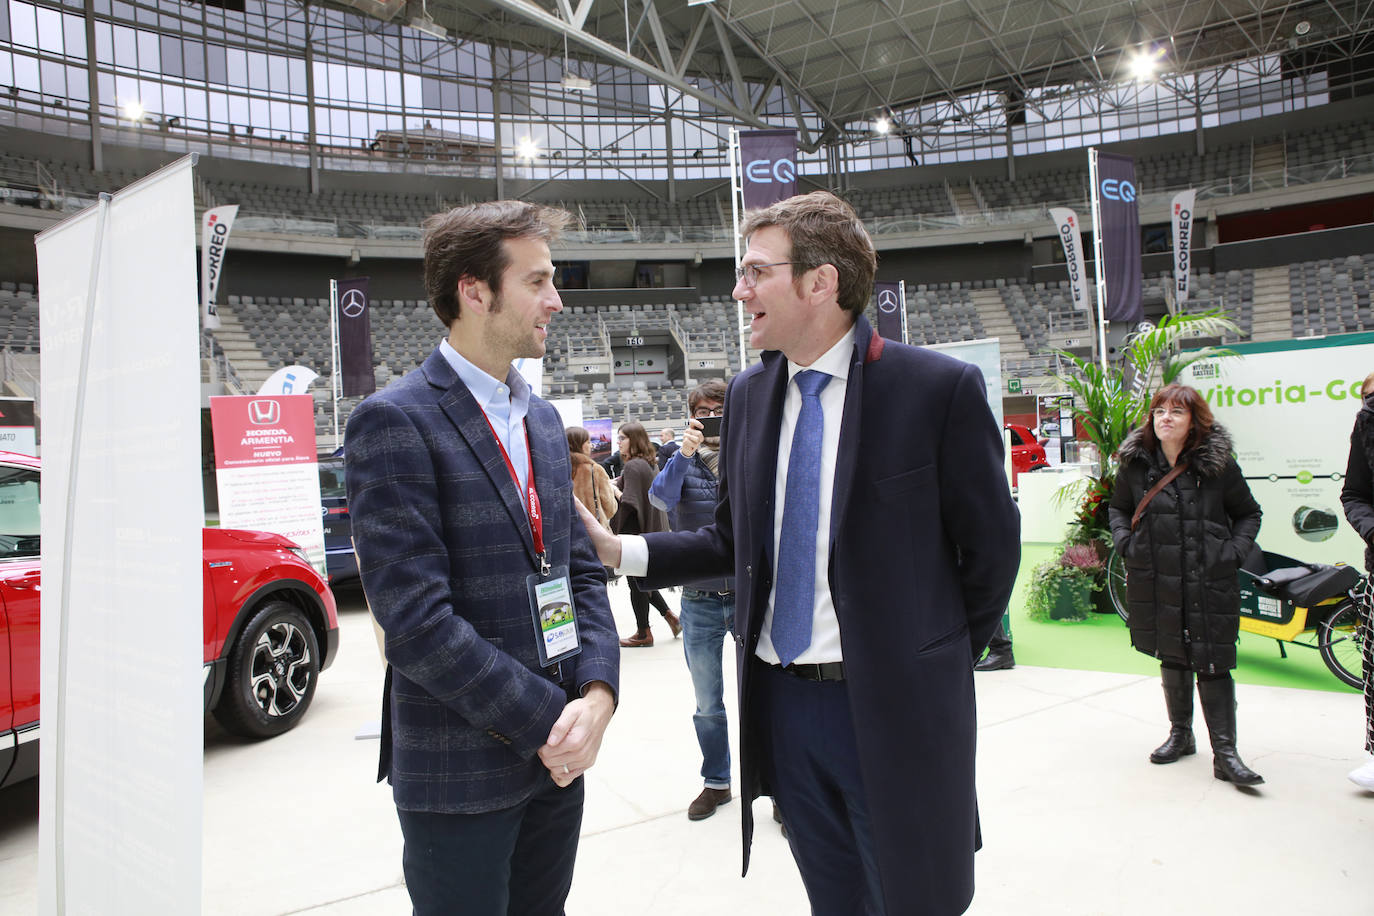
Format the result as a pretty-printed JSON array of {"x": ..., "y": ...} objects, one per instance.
[
  {"x": 1219, "y": 708},
  {"x": 1178, "y": 699},
  {"x": 996, "y": 660}
]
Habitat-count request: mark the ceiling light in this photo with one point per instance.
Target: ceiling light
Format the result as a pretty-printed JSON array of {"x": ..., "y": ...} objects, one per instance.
[
  {"x": 1145, "y": 63},
  {"x": 527, "y": 149},
  {"x": 883, "y": 125},
  {"x": 1302, "y": 28},
  {"x": 428, "y": 26},
  {"x": 133, "y": 110},
  {"x": 574, "y": 83}
]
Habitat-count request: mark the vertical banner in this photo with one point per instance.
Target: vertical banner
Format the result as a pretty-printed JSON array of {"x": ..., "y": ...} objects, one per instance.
[
  {"x": 1182, "y": 216},
  {"x": 119, "y": 829},
  {"x": 214, "y": 239},
  {"x": 18, "y": 432},
  {"x": 355, "y": 338},
  {"x": 768, "y": 162},
  {"x": 890, "y": 307},
  {"x": 1116, "y": 191},
  {"x": 1070, "y": 235},
  {"x": 266, "y": 470},
  {"x": 289, "y": 380}
]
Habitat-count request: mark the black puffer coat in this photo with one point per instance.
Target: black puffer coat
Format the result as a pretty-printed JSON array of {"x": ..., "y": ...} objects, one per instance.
[
  {"x": 1357, "y": 493},
  {"x": 1182, "y": 558}
]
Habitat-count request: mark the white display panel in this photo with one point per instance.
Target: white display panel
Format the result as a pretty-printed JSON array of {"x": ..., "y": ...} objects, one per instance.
[{"x": 122, "y": 720}]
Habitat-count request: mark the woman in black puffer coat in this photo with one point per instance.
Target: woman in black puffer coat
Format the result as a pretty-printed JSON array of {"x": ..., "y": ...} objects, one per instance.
[
  {"x": 1357, "y": 496},
  {"x": 1181, "y": 561}
]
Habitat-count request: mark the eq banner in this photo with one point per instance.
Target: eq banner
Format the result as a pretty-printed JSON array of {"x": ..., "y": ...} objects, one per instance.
[
  {"x": 891, "y": 306},
  {"x": 1070, "y": 235},
  {"x": 355, "y": 338},
  {"x": 1120, "y": 211},
  {"x": 1182, "y": 216},
  {"x": 768, "y": 165},
  {"x": 214, "y": 239}
]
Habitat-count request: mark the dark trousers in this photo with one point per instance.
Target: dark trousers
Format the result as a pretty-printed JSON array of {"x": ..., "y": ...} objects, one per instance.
[
  {"x": 1000, "y": 641},
  {"x": 812, "y": 763},
  {"x": 516, "y": 861},
  {"x": 640, "y": 601}
]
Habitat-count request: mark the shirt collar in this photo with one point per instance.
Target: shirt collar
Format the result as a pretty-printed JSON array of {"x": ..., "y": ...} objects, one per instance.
[
  {"x": 485, "y": 389},
  {"x": 833, "y": 362}
]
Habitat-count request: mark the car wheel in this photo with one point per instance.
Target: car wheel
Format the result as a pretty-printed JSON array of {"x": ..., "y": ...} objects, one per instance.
[{"x": 273, "y": 668}]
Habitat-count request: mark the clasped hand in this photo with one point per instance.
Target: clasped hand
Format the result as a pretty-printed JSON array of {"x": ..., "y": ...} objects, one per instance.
[{"x": 575, "y": 739}]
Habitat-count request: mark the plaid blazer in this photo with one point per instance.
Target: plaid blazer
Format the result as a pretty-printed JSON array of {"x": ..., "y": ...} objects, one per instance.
[{"x": 444, "y": 547}]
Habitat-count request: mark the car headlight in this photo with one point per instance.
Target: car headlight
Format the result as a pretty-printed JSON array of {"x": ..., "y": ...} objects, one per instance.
[{"x": 300, "y": 552}]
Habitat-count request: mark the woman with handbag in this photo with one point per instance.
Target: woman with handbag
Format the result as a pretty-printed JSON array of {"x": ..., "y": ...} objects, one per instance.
[
  {"x": 1357, "y": 496},
  {"x": 591, "y": 484},
  {"x": 639, "y": 516},
  {"x": 1183, "y": 519}
]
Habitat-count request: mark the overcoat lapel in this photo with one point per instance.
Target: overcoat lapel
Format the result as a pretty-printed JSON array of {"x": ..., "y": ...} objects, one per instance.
[
  {"x": 458, "y": 404},
  {"x": 847, "y": 461},
  {"x": 763, "y": 406}
]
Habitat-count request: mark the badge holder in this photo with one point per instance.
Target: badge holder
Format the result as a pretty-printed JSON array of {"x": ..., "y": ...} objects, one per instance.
[{"x": 554, "y": 614}]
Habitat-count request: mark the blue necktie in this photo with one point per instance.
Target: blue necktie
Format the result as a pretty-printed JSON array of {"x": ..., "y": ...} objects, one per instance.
[{"x": 795, "y": 596}]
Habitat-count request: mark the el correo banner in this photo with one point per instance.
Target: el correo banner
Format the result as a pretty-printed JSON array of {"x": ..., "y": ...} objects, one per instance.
[
  {"x": 289, "y": 380},
  {"x": 1290, "y": 407},
  {"x": 1066, "y": 225},
  {"x": 266, "y": 470},
  {"x": 214, "y": 238},
  {"x": 1182, "y": 217},
  {"x": 768, "y": 160}
]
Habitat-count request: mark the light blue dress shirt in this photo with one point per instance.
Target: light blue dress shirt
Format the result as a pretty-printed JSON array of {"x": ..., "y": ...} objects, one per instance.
[{"x": 505, "y": 404}]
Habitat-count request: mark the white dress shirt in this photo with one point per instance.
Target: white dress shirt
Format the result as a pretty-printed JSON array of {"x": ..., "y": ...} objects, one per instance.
[
  {"x": 825, "y": 626},
  {"x": 505, "y": 404}
]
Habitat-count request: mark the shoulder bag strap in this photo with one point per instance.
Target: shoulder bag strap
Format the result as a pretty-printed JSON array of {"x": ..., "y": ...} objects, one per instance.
[{"x": 1145, "y": 500}]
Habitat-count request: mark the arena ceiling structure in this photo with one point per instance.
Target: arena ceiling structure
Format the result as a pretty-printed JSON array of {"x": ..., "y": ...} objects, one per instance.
[{"x": 844, "y": 65}]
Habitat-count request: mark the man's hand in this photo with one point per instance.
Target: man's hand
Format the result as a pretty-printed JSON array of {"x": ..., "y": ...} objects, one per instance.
[
  {"x": 607, "y": 545},
  {"x": 575, "y": 738},
  {"x": 691, "y": 438}
]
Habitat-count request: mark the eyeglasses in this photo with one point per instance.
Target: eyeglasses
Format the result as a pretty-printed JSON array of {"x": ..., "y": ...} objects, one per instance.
[
  {"x": 701, "y": 413},
  {"x": 750, "y": 274},
  {"x": 1178, "y": 413}
]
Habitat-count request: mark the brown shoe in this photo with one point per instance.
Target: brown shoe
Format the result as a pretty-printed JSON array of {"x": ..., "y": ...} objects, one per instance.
[
  {"x": 673, "y": 623},
  {"x": 705, "y": 804},
  {"x": 641, "y": 638}
]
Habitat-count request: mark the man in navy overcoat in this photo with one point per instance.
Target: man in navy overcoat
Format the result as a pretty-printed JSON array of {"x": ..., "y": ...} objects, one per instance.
[
  {"x": 865, "y": 737},
  {"x": 460, "y": 491}
]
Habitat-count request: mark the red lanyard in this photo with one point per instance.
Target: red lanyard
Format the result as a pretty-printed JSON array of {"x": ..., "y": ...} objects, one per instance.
[{"x": 532, "y": 495}]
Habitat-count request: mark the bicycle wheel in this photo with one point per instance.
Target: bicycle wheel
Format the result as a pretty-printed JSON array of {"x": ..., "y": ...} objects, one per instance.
[
  {"x": 1341, "y": 641},
  {"x": 1116, "y": 584}
]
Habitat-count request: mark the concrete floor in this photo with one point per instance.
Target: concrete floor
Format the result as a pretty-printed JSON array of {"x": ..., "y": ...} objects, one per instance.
[{"x": 1075, "y": 820}]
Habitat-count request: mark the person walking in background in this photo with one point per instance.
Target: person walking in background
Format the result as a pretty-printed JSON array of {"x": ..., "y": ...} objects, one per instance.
[
  {"x": 865, "y": 516},
  {"x": 460, "y": 495},
  {"x": 686, "y": 489},
  {"x": 638, "y": 515},
  {"x": 591, "y": 484},
  {"x": 1357, "y": 497},
  {"x": 667, "y": 445},
  {"x": 1183, "y": 519}
]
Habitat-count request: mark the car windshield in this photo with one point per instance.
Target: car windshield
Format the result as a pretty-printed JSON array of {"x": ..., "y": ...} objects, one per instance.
[
  {"x": 19, "y": 516},
  {"x": 332, "y": 481}
]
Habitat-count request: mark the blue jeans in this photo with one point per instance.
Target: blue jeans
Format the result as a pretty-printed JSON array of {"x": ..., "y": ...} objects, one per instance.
[{"x": 707, "y": 620}]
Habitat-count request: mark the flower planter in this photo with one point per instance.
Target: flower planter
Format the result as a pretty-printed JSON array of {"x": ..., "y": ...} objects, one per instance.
[{"x": 1067, "y": 595}]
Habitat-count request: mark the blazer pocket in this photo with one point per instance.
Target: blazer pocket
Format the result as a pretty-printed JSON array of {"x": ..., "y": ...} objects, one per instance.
[
  {"x": 947, "y": 639},
  {"x": 906, "y": 480}
]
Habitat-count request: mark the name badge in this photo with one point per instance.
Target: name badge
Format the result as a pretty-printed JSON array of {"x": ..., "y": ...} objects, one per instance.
[{"x": 554, "y": 615}]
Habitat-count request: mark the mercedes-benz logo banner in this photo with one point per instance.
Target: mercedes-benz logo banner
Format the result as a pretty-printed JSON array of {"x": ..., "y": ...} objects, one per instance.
[
  {"x": 355, "y": 338},
  {"x": 888, "y": 296},
  {"x": 768, "y": 163},
  {"x": 1117, "y": 202}
]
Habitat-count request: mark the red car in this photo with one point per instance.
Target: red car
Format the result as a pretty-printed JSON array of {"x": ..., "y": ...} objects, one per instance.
[
  {"x": 1026, "y": 453},
  {"x": 271, "y": 626}
]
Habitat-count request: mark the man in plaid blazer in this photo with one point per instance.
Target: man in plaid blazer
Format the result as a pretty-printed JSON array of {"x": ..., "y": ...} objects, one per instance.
[{"x": 460, "y": 490}]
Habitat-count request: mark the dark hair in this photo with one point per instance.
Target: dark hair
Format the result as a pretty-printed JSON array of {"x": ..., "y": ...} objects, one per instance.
[
  {"x": 713, "y": 389},
  {"x": 823, "y": 230},
  {"x": 470, "y": 242},
  {"x": 1368, "y": 381},
  {"x": 640, "y": 447},
  {"x": 578, "y": 437},
  {"x": 1177, "y": 395}
]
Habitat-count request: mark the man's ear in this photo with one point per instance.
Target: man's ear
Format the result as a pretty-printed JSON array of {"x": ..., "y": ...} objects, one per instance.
[
  {"x": 825, "y": 282},
  {"x": 473, "y": 295}
]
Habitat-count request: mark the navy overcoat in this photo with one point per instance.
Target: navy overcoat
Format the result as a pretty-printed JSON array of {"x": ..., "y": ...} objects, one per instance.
[{"x": 925, "y": 544}]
